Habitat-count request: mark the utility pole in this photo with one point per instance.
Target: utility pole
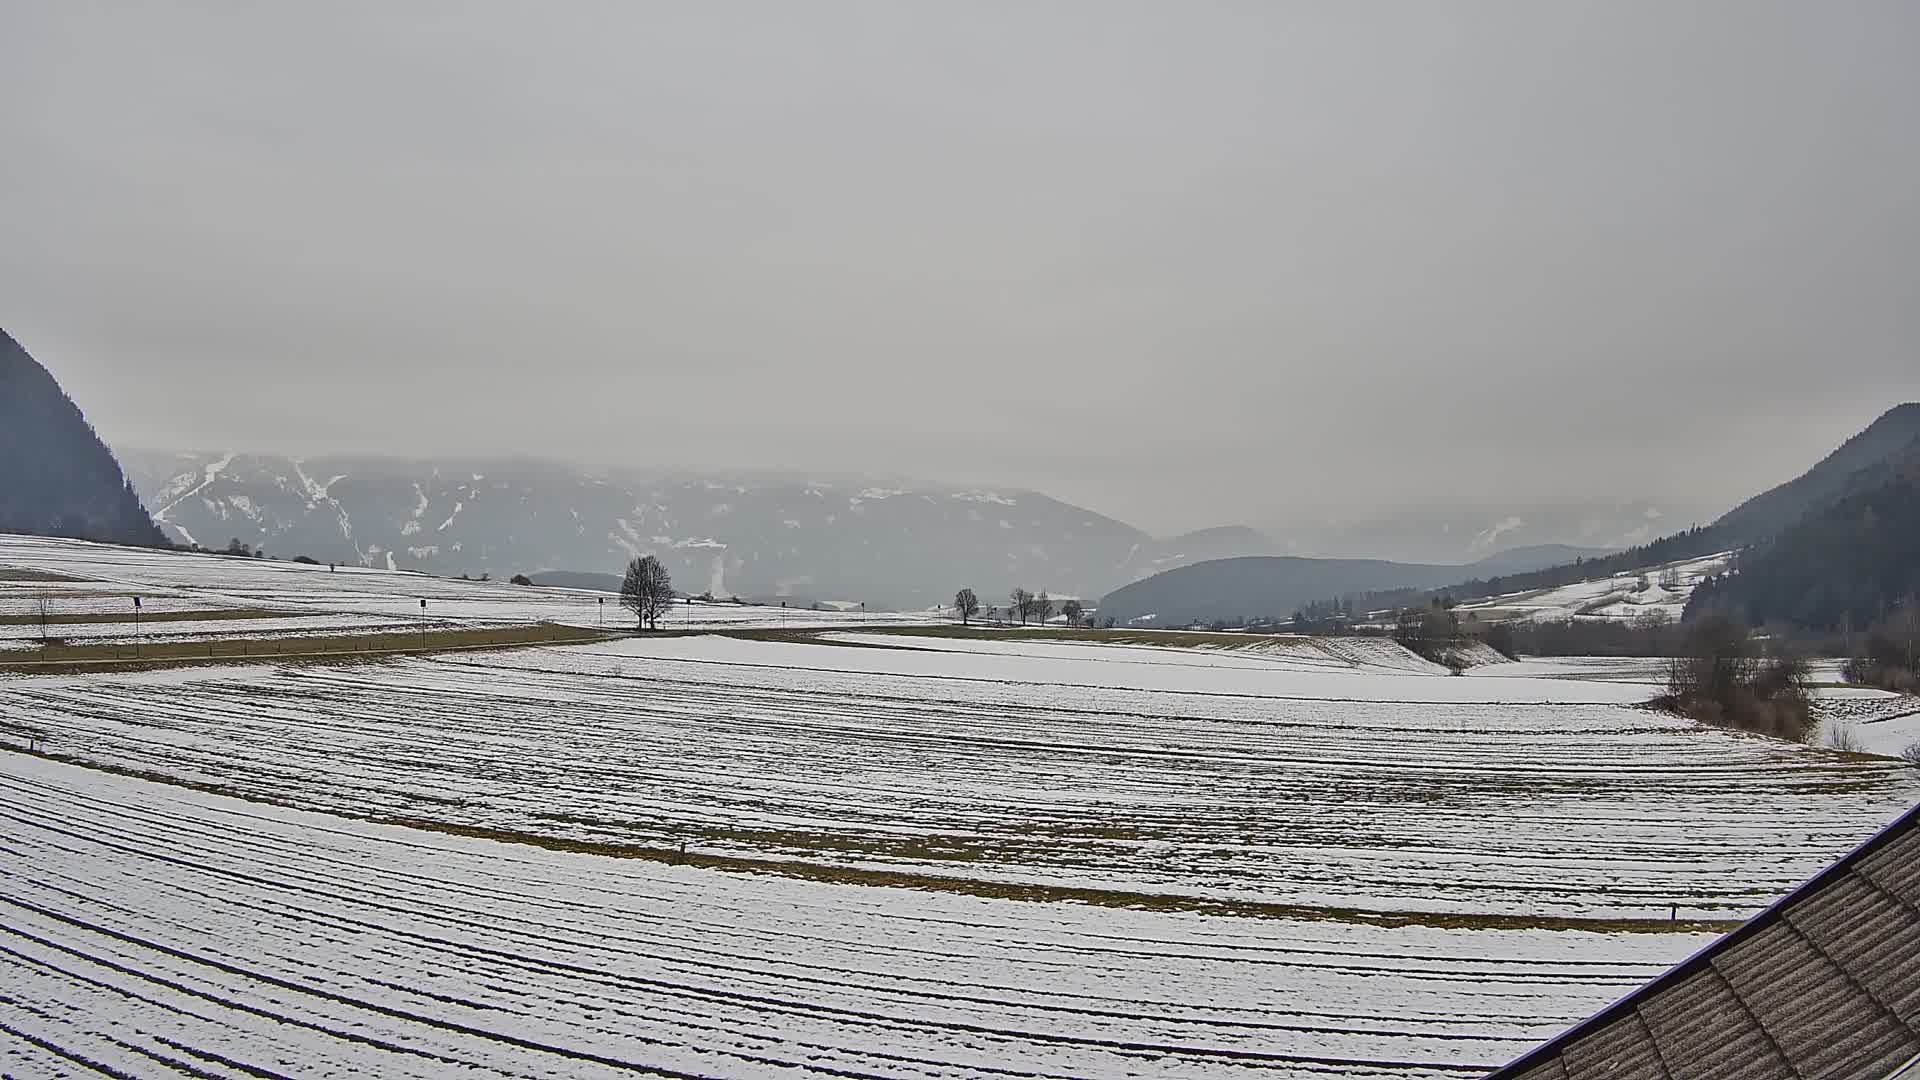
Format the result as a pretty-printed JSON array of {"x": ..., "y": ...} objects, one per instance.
[
  {"x": 136, "y": 627},
  {"x": 423, "y": 622}
]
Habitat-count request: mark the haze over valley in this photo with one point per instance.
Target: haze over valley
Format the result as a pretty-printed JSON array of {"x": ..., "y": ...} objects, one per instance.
[{"x": 959, "y": 541}]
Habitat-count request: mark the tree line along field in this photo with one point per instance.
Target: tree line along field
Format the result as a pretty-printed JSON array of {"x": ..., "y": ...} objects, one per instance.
[{"x": 850, "y": 852}]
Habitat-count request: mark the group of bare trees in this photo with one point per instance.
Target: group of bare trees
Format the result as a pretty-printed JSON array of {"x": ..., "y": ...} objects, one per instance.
[
  {"x": 1430, "y": 631},
  {"x": 647, "y": 591},
  {"x": 1889, "y": 655},
  {"x": 1723, "y": 675},
  {"x": 1021, "y": 605}
]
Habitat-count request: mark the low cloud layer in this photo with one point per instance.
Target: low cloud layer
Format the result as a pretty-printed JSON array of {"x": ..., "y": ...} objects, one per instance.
[{"x": 1184, "y": 263}]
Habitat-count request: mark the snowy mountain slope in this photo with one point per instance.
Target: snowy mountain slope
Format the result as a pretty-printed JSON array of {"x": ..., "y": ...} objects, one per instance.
[
  {"x": 888, "y": 543},
  {"x": 1661, "y": 590}
]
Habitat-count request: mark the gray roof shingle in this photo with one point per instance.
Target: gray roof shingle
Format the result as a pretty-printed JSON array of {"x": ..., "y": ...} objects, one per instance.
[{"x": 1824, "y": 984}]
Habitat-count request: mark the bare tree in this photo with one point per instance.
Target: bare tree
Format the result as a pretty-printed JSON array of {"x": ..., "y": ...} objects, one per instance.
[
  {"x": 1722, "y": 677},
  {"x": 1042, "y": 607},
  {"x": 1903, "y": 628},
  {"x": 44, "y": 604},
  {"x": 647, "y": 591},
  {"x": 1072, "y": 610},
  {"x": 1020, "y": 604},
  {"x": 967, "y": 604}
]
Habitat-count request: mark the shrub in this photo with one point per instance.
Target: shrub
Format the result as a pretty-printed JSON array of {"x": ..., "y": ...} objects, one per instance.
[
  {"x": 521, "y": 579},
  {"x": 1843, "y": 737},
  {"x": 1500, "y": 639},
  {"x": 1721, "y": 678},
  {"x": 1428, "y": 631},
  {"x": 1911, "y": 755}
]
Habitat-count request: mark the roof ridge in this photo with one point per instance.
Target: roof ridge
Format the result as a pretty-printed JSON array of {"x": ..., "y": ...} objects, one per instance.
[{"x": 1844, "y": 866}]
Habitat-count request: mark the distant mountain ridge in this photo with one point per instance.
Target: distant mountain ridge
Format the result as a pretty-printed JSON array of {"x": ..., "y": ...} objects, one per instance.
[
  {"x": 1471, "y": 528},
  {"x": 886, "y": 541},
  {"x": 1826, "y": 482},
  {"x": 1242, "y": 588},
  {"x": 1843, "y": 565},
  {"x": 1856, "y": 463},
  {"x": 1535, "y": 556},
  {"x": 56, "y": 477},
  {"x": 1274, "y": 586}
]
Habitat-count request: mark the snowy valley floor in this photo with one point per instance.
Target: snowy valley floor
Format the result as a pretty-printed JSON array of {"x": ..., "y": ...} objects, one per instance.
[
  {"x": 156, "y": 930},
  {"x": 907, "y": 854}
]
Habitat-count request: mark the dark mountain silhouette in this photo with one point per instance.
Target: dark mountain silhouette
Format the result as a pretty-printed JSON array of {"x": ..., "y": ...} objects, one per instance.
[
  {"x": 1861, "y": 461},
  {"x": 1274, "y": 586},
  {"x": 1239, "y": 588},
  {"x": 1844, "y": 564},
  {"x": 1260, "y": 586},
  {"x": 1536, "y": 556},
  {"x": 56, "y": 477},
  {"x": 1772, "y": 511}
]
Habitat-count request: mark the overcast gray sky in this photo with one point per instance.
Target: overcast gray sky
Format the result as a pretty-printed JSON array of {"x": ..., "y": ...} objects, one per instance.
[{"x": 1185, "y": 263}]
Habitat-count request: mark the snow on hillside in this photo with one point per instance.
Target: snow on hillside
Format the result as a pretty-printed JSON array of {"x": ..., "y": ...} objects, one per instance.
[
  {"x": 886, "y": 542},
  {"x": 103, "y": 578},
  {"x": 1661, "y": 590}
]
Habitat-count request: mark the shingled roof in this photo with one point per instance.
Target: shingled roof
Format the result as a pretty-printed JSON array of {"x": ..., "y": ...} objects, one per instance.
[{"x": 1825, "y": 983}]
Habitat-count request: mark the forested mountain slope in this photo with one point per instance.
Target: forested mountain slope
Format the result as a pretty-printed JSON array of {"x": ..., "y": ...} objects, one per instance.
[
  {"x": 1869, "y": 454},
  {"x": 1273, "y": 587},
  {"x": 1766, "y": 514},
  {"x": 56, "y": 477},
  {"x": 1844, "y": 565}
]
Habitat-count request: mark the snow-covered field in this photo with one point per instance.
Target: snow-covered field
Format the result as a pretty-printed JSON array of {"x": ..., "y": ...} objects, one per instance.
[
  {"x": 159, "y": 931},
  {"x": 108, "y": 577},
  {"x": 1875, "y": 721},
  {"x": 318, "y": 624},
  {"x": 906, "y": 854},
  {"x": 1198, "y": 776},
  {"x": 1668, "y": 586}
]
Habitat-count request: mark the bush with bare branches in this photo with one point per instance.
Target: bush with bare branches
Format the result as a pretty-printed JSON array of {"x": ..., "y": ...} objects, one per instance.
[{"x": 1722, "y": 677}]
